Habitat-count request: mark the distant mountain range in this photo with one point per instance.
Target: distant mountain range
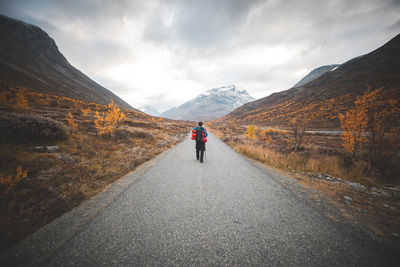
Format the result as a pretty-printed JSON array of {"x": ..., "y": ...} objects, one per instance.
[
  {"x": 331, "y": 93},
  {"x": 315, "y": 74},
  {"x": 210, "y": 105},
  {"x": 30, "y": 58},
  {"x": 149, "y": 110}
]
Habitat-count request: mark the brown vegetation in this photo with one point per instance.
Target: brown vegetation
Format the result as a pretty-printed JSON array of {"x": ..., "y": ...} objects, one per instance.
[
  {"x": 106, "y": 122},
  {"x": 72, "y": 124},
  {"x": 39, "y": 185},
  {"x": 368, "y": 148},
  {"x": 21, "y": 102},
  {"x": 25, "y": 128},
  {"x": 327, "y": 96},
  {"x": 279, "y": 149},
  {"x": 372, "y": 125},
  {"x": 321, "y": 166},
  {"x": 8, "y": 183}
]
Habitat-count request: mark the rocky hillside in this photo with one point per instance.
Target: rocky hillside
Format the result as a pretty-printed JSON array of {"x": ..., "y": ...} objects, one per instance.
[
  {"x": 30, "y": 58},
  {"x": 333, "y": 92},
  {"x": 210, "y": 105},
  {"x": 315, "y": 74}
]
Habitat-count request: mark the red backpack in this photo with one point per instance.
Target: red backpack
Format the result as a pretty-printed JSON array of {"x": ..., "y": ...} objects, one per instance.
[{"x": 198, "y": 135}]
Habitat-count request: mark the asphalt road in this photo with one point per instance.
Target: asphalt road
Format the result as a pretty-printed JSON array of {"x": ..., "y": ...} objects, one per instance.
[{"x": 176, "y": 211}]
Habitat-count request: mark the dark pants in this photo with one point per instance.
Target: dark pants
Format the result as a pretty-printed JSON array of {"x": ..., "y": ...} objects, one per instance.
[{"x": 200, "y": 147}]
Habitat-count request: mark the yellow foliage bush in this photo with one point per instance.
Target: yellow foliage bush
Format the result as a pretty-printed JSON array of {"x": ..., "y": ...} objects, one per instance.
[
  {"x": 107, "y": 121},
  {"x": 251, "y": 131},
  {"x": 71, "y": 122},
  {"x": 3, "y": 97},
  {"x": 85, "y": 112},
  {"x": 354, "y": 122},
  {"x": 21, "y": 100},
  {"x": 11, "y": 181}
]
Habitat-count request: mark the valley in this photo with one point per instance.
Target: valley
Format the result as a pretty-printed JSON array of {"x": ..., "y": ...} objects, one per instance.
[{"x": 88, "y": 179}]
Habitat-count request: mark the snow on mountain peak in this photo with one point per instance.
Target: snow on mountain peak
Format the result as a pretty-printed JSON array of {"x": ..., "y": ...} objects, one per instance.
[
  {"x": 211, "y": 104},
  {"x": 226, "y": 90}
]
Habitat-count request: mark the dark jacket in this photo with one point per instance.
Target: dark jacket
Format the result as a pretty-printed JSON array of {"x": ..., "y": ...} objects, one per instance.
[{"x": 200, "y": 145}]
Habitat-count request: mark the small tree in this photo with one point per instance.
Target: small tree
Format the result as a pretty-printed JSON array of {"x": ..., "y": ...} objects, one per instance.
[
  {"x": 10, "y": 182},
  {"x": 251, "y": 131},
  {"x": 3, "y": 98},
  {"x": 381, "y": 115},
  {"x": 77, "y": 107},
  {"x": 107, "y": 121},
  {"x": 21, "y": 100},
  {"x": 354, "y": 122},
  {"x": 265, "y": 136},
  {"x": 85, "y": 112},
  {"x": 299, "y": 128},
  {"x": 72, "y": 123}
]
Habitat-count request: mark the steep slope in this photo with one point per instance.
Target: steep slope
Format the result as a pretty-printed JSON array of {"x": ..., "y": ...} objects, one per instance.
[
  {"x": 315, "y": 74},
  {"x": 212, "y": 104},
  {"x": 30, "y": 58},
  {"x": 150, "y": 110},
  {"x": 333, "y": 92}
]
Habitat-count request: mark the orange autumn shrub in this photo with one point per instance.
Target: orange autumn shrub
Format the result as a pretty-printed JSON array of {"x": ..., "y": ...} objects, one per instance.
[
  {"x": 21, "y": 101},
  {"x": 106, "y": 122},
  {"x": 9, "y": 182},
  {"x": 72, "y": 124}
]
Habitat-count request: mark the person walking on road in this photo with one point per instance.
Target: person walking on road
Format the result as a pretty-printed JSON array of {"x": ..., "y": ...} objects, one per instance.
[{"x": 199, "y": 133}]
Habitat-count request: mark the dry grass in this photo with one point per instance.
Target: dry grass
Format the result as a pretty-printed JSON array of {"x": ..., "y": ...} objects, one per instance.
[
  {"x": 84, "y": 164},
  {"x": 328, "y": 165},
  {"x": 323, "y": 154},
  {"x": 57, "y": 182},
  {"x": 274, "y": 131}
]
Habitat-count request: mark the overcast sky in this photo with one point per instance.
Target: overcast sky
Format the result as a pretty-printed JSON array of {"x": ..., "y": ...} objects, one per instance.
[{"x": 165, "y": 52}]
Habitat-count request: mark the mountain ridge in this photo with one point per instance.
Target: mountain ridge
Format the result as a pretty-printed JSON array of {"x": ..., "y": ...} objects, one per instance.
[
  {"x": 30, "y": 58},
  {"x": 333, "y": 92},
  {"x": 315, "y": 74}
]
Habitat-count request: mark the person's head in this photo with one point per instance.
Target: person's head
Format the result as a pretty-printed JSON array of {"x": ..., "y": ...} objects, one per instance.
[{"x": 200, "y": 123}]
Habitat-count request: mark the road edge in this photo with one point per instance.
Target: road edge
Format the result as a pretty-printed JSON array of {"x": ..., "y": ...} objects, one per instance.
[{"x": 66, "y": 226}]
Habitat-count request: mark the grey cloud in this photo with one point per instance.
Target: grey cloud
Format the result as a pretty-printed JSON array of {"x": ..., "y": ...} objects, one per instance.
[
  {"x": 199, "y": 24},
  {"x": 205, "y": 32},
  {"x": 202, "y": 23}
]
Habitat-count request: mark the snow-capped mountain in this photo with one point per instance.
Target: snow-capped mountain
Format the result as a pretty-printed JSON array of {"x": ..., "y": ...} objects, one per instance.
[
  {"x": 149, "y": 110},
  {"x": 210, "y": 105},
  {"x": 316, "y": 73}
]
